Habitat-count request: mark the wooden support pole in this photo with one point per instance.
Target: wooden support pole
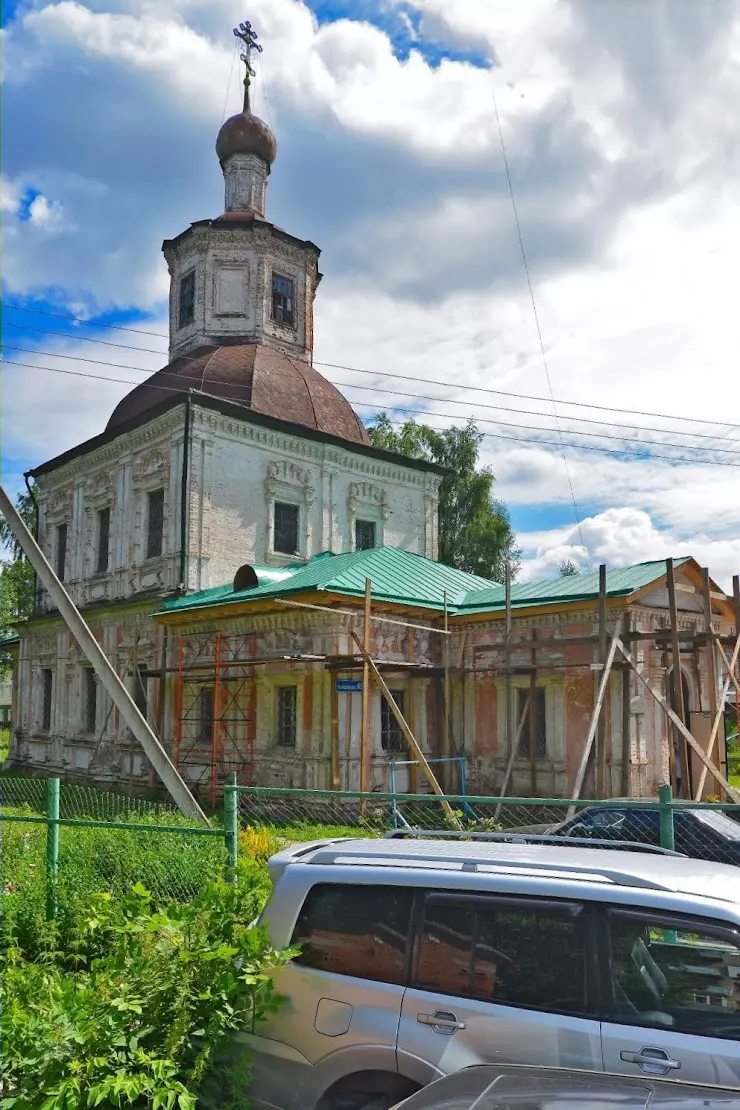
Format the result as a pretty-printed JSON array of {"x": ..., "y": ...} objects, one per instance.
[
  {"x": 676, "y": 688},
  {"x": 600, "y": 760},
  {"x": 693, "y": 744},
  {"x": 626, "y": 718},
  {"x": 512, "y": 755},
  {"x": 711, "y": 661},
  {"x": 581, "y": 773},
  {"x": 365, "y": 724},
  {"x": 334, "y": 700},
  {"x": 403, "y": 725},
  {"x": 718, "y": 718},
  {"x": 447, "y": 734},
  {"x": 507, "y": 657},
  {"x": 411, "y": 712},
  {"x": 533, "y": 719}
]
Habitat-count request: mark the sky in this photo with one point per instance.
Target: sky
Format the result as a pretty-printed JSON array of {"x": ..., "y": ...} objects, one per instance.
[{"x": 603, "y": 373}]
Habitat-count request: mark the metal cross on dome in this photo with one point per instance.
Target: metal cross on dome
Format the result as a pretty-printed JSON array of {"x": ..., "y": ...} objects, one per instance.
[{"x": 248, "y": 37}]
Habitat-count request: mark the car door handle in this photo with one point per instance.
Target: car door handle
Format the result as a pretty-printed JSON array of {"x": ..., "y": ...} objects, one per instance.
[
  {"x": 651, "y": 1060},
  {"x": 442, "y": 1021}
]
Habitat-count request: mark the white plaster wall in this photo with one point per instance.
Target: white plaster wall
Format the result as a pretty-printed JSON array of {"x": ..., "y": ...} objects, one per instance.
[{"x": 239, "y": 469}]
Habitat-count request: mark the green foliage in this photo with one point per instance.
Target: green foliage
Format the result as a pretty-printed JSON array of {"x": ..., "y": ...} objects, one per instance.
[
  {"x": 567, "y": 569},
  {"x": 17, "y": 578},
  {"x": 475, "y": 532},
  {"x": 147, "y": 1017}
]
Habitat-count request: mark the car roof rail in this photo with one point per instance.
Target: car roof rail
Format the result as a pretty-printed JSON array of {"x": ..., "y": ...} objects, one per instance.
[{"x": 530, "y": 838}]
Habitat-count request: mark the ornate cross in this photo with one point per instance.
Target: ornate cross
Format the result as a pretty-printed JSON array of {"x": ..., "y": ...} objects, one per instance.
[{"x": 248, "y": 38}]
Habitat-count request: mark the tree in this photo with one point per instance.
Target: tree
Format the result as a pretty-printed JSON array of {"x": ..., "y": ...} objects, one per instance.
[
  {"x": 17, "y": 578},
  {"x": 567, "y": 568},
  {"x": 475, "y": 532}
]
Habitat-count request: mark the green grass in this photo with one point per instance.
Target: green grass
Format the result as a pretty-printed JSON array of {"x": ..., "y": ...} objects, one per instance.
[{"x": 4, "y": 744}]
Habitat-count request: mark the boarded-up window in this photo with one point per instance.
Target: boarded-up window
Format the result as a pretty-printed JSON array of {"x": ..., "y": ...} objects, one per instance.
[{"x": 540, "y": 723}]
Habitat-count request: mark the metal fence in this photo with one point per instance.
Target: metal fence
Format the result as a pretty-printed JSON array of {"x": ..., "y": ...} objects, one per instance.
[
  {"x": 701, "y": 830},
  {"x": 62, "y": 841}
]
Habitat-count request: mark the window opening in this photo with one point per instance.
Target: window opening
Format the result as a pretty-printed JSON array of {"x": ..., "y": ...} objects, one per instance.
[
  {"x": 391, "y": 736},
  {"x": 90, "y": 700},
  {"x": 206, "y": 714},
  {"x": 187, "y": 299},
  {"x": 364, "y": 535},
  {"x": 286, "y": 528},
  {"x": 61, "y": 552},
  {"x": 101, "y": 564},
  {"x": 287, "y": 703},
  {"x": 282, "y": 299},
  {"x": 540, "y": 723},
  {"x": 46, "y": 703},
  {"x": 155, "y": 523}
]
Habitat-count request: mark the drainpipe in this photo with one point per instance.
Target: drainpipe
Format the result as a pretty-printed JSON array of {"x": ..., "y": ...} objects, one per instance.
[
  {"x": 184, "y": 496},
  {"x": 32, "y": 495}
]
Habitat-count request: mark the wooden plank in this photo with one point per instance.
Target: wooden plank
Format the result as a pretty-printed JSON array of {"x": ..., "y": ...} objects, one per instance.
[
  {"x": 410, "y": 738},
  {"x": 512, "y": 754},
  {"x": 711, "y": 660},
  {"x": 711, "y": 767},
  {"x": 507, "y": 657},
  {"x": 533, "y": 720},
  {"x": 600, "y": 761},
  {"x": 365, "y": 721},
  {"x": 581, "y": 773},
  {"x": 677, "y": 686},
  {"x": 334, "y": 698},
  {"x": 718, "y": 717},
  {"x": 447, "y": 732},
  {"x": 626, "y": 719}
]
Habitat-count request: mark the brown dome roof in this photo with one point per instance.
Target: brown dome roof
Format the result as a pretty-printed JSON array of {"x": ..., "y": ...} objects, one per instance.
[
  {"x": 257, "y": 377},
  {"x": 245, "y": 133}
]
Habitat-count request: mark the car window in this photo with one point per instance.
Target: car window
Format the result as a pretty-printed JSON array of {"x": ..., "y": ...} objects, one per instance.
[
  {"x": 718, "y": 821},
  {"x": 667, "y": 973},
  {"x": 356, "y": 930},
  {"x": 504, "y": 951}
]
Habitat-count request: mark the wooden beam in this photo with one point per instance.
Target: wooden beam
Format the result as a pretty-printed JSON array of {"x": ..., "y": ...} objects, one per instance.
[
  {"x": 676, "y": 687},
  {"x": 512, "y": 753},
  {"x": 690, "y": 740},
  {"x": 581, "y": 773},
  {"x": 447, "y": 732},
  {"x": 533, "y": 719},
  {"x": 336, "y": 783},
  {"x": 365, "y": 722},
  {"x": 718, "y": 718},
  {"x": 626, "y": 719},
  {"x": 600, "y": 761},
  {"x": 507, "y": 658},
  {"x": 711, "y": 659},
  {"x": 410, "y": 738}
]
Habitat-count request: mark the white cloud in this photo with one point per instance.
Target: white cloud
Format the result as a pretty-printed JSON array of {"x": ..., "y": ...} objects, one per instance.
[{"x": 10, "y": 195}]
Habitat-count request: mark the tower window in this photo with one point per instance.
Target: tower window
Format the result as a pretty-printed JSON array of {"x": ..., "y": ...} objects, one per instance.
[
  {"x": 364, "y": 535},
  {"x": 187, "y": 299},
  {"x": 282, "y": 299},
  {"x": 286, "y": 528},
  {"x": 101, "y": 562},
  {"x": 61, "y": 551},
  {"x": 287, "y": 704},
  {"x": 154, "y": 523}
]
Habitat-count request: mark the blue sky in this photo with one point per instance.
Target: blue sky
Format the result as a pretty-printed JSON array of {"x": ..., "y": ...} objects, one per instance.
[{"x": 624, "y": 153}]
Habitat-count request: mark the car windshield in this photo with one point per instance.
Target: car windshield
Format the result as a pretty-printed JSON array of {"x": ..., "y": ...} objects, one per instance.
[{"x": 718, "y": 821}]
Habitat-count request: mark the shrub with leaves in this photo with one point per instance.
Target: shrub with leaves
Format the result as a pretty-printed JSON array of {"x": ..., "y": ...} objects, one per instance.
[{"x": 147, "y": 1018}]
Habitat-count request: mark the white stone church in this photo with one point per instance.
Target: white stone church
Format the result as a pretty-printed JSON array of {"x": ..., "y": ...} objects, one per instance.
[{"x": 237, "y": 452}]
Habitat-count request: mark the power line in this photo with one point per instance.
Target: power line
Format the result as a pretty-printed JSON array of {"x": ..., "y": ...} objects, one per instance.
[
  {"x": 201, "y": 381},
  {"x": 537, "y": 322},
  {"x": 349, "y": 369},
  {"x": 173, "y": 389}
]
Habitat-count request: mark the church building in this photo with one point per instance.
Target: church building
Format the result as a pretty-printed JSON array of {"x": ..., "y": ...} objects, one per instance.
[{"x": 237, "y": 452}]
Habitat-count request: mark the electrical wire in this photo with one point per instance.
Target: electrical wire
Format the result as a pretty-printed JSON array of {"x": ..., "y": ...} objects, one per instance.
[
  {"x": 537, "y": 323},
  {"x": 349, "y": 369},
  {"x": 644, "y": 454},
  {"x": 199, "y": 382}
]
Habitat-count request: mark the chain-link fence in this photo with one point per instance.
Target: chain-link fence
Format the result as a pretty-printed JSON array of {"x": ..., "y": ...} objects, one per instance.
[
  {"x": 701, "y": 830},
  {"x": 63, "y": 842}
]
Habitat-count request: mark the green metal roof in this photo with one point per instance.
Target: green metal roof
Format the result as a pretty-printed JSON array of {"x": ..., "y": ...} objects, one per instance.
[
  {"x": 404, "y": 578},
  {"x": 9, "y": 639},
  {"x": 577, "y": 587},
  {"x": 396, "y": 575}
]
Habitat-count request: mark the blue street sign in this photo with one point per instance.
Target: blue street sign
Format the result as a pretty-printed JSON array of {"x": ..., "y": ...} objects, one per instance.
[{"x": 349, "y": 685}]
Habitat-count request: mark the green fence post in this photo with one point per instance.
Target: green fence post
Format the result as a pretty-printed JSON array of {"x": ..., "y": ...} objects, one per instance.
[
  {"x": 231, "y": 830},
  {"x": 665, "y": 797},
  {"x": 52, "y": 847}
]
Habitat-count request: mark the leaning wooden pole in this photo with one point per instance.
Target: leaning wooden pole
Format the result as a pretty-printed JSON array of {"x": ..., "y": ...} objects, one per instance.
[
  {"x": 507, "y": 655},
  {"x": 711, "y": 654},
  {"x": 677, "y": 704},
  {"x": 109, "y": 679},
  {"x": 365, "y": 722},
  {"x": 600, "y": 760},
  {"x": 581, "y": 773},
  {"x": 718, "y": 716}
]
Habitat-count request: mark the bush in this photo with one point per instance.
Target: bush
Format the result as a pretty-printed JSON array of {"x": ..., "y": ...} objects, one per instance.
[{"x": 145, "y": 1020}]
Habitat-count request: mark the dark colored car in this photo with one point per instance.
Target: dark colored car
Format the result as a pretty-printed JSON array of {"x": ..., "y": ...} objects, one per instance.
[
  {"x": 508, "y": 1087},
  {"x": 701, "y": 833}
]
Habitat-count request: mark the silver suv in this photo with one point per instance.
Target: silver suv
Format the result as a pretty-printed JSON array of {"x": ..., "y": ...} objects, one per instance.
[{"x": 424, "y": 956}]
